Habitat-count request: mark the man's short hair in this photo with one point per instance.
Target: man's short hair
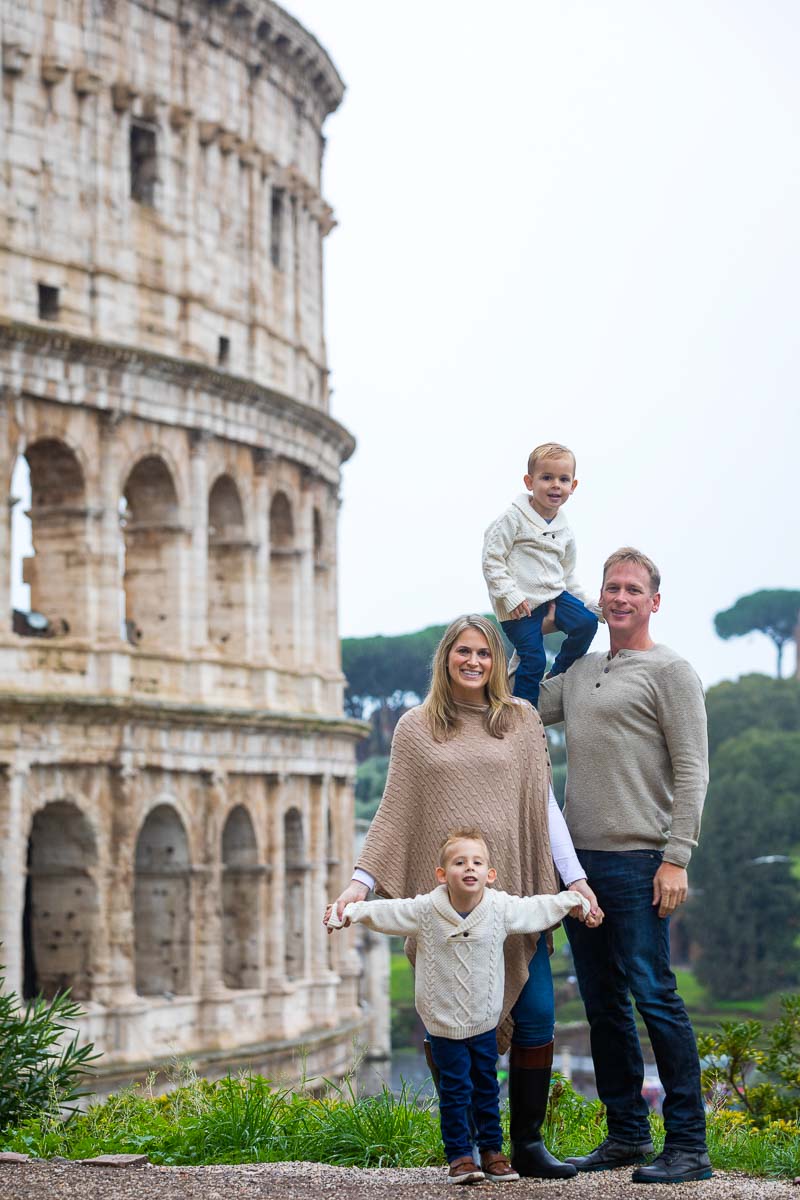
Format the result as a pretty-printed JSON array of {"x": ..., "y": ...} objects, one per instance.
[
  {"x": 630, "y": 555},
  {"x": 549, "y": 450},
  {"x": 461, "y": 835}
]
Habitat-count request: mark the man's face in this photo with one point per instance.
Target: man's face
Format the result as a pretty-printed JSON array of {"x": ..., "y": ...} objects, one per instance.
[{"x": 626, "y": 600}]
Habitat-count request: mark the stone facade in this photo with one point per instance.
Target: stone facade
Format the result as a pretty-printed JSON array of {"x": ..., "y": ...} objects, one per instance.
[{"x": 176, "y": 774}]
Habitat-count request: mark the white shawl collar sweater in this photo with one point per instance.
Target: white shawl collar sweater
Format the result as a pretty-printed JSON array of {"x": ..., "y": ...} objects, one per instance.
[
  {"x": 525, "y": 558},
  {"x": 459, "y": 975}
]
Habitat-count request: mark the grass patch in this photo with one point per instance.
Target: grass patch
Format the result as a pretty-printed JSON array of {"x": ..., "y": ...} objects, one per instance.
[{"x": 247, "y": 1119}]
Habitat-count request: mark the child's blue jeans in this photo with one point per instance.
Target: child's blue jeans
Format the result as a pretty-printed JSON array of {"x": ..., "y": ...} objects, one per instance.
[
  {"x": 468, "y": 1081},
  {"x": 525, "y": 634}
]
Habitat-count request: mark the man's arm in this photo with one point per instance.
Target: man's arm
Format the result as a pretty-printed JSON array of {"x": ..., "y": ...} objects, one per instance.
[
  {"x": 682, "y": 716},
  {"x": 551, "y": 700}
]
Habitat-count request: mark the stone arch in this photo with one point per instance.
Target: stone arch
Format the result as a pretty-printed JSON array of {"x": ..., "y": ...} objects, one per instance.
[
  {"x": 283, "y": 581},
  {"x": 296, "y": 870},
  {"x": 241, "y": 896},
  {"x": 228, "y": 569},
  {"x": 161, "y": 904},
  {"x": 151, "y": 579},
  {"x": 57, "y": 571},
  {"x": 60, "y": 917}
]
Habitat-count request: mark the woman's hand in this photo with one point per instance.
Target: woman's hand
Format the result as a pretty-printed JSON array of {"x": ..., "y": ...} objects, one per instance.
[
  {"x": 353, "y": 891},
  {"x": 595, "y": 915}
]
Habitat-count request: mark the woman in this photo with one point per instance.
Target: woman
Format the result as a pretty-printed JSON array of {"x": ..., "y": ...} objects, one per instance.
[{"x": 473, "y": 755}]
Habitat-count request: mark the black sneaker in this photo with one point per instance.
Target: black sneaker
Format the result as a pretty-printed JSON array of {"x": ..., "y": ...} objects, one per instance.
[
  {"x": 675, "y": 1165},
  {"x": 611, "y": 1154}
]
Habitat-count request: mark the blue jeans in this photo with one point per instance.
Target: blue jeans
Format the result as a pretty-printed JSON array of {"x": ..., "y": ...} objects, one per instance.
[
  {"x": 468, "y": 1081},
  {"x": 534, "y": 1012},
  {"x": 629, "y": 953},
  {"x": 525, "y": 635}
]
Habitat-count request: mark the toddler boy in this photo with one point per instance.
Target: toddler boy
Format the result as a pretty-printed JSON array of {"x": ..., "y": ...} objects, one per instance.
[
  {"x": 459, "y": 979},
  {"x": 529, "y": 562}
]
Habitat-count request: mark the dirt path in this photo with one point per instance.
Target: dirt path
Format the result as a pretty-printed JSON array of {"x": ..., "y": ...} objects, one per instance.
[{"x": 37, "y": 1180}]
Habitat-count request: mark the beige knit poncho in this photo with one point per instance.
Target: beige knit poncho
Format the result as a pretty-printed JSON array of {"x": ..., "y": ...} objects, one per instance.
[{"x": 498, "y": 785}]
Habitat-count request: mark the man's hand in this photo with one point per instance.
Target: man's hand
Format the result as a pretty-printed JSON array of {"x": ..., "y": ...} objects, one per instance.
[
  {"x": 549, "y": 623},
  {"x": 670, "y": 888},
  {"x": 523, "y": 609},
  {"x": 595, "y": 915},
  {"x": 353, "y": 891}
]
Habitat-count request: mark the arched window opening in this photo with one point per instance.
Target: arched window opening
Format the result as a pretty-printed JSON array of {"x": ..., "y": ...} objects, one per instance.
[
  {"x": 49, "y": 554},
  {"x": 161, "y": 905},
  {"x": 296, "y": 898},
  {"x": 61, "y": 907},
  {"x": 152, "y": 556},
  {"x": 241, "y": 901},
  {"x": 228, "y": 568},
  {"x": 284, "y": 581}
]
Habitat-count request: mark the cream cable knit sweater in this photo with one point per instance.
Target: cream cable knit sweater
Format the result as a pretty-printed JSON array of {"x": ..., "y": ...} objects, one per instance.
[
  {"x": 525, "y": 558},
  {"x": 459, "y": 977}
]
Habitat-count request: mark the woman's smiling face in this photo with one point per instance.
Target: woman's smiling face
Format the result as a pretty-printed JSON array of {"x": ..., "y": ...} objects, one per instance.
[{"x": 469, "y": 664}]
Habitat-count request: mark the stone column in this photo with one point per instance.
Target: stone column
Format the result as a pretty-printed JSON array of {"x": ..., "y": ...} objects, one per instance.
[
  {"x": 305, "y": 615},
  {"x": 276, "y": 848},
  {"x": 7, "y": 461},
  {"x": 208, "y": 888},
  {"x": 110, "y": 599},
  {"x": 123, "y": 788},
  {"x": 198, "y": 564},
  {"x": 259, "y": 622},
  {"x": 13, "y": 871},
  {"x": 316, "y": 936}
]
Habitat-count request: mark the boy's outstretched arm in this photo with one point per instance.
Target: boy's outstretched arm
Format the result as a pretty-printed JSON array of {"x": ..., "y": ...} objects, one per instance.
[
  {"x": 534, "y": 914},
  {"x": 397, "y": 917}
]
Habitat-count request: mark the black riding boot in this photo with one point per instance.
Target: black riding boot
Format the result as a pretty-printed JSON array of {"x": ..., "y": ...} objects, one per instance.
[{"x": 528, "y": 1092}]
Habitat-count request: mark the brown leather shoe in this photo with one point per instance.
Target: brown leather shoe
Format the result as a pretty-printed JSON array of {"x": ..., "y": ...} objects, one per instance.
[
  {"x": 464, "y": 1170},
  {"x": 497, "y": 1168}
]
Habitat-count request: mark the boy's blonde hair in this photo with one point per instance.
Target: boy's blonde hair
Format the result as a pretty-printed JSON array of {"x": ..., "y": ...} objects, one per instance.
[
  {"x": 549, "y": 450},
  {"x": 461, "y": 835},
  {"x": 439, "y": 706},
  {"x": 630, "y": 555}
]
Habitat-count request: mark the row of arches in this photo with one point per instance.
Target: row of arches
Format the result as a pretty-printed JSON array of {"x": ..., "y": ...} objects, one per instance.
[
  {"x": 62, "y": 920},
  {"x": 54, "y": 543}
]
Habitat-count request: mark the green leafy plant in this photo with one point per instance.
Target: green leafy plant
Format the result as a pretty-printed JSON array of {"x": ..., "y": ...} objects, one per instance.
[
  {"x": 754, "y": 1072},
  {"x": 38, "y": 1074}
]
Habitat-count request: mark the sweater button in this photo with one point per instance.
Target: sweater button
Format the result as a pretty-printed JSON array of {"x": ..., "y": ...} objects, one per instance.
[
  {"x": 597, "y": 685},
  {"x": 606, "y": 670},
  {"x": 465, "y": 933}
]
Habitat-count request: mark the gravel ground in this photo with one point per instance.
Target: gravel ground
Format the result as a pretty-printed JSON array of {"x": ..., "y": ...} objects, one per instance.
[{"x": 38, "y": 1180}]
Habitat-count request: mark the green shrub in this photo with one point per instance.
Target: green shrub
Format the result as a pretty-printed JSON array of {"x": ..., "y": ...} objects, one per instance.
[
  {"x": 37, "y": 1073},
  {"x": 755, "y": 1072}
]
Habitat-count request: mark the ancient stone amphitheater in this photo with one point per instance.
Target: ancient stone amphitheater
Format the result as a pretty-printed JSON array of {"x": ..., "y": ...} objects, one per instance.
[{"x": 176, "y": 775}]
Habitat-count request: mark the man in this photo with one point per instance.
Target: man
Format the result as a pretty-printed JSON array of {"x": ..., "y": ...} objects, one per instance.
[{"x": 637, "y": 760}]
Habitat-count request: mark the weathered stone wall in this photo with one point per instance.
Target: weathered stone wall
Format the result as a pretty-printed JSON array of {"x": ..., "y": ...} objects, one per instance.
[{"x": 176, "y": 775}]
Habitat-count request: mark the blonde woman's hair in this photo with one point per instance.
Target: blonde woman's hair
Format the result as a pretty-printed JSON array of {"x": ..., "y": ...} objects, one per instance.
[
  {"x": 628, "y": 554},
  {"x": 549, "y": 450},
  {"x": 439, "y": 705}
]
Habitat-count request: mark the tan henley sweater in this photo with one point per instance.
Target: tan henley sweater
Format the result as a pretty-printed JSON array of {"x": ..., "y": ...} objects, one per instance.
[
  {"x": 637, "y": 750},
  {"x": 498, "y": 785}
]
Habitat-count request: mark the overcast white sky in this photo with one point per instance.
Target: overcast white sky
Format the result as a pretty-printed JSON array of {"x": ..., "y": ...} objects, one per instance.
[{"x": 577, "y": 222}]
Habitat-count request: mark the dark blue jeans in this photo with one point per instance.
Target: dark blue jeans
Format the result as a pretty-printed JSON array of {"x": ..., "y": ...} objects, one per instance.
[
  {"x": 629, "y": 955},
  {"x": 534, "y": 1012},
  {"x": 525, "y": 635},
  {"x": 468, "y": 1080}
]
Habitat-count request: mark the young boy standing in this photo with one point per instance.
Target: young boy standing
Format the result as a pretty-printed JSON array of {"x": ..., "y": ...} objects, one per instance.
[
  {"x": 459, "y": 979},
  {"x": 529, "y": 562}
]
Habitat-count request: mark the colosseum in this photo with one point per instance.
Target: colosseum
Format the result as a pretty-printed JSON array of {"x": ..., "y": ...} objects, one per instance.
[{"x": 176, "y": 774}]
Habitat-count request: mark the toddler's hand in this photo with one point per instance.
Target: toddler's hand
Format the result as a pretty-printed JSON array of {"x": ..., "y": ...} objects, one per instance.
[{"x": 522, "y": 610}]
